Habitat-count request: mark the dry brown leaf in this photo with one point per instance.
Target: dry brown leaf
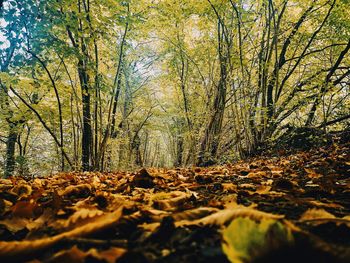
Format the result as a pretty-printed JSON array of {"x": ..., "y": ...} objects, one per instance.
[
  {"x": 263, "y": 189},
  {"x": 229, "y": 201},
  {"x": 101, "y": 199},
  {"x": 225, "y": 216},
  {"x": 110, "y": 255},
  {"x": 276, "y": 172},
  {"x": 150, "y": 227},
  {"x": 247, "y": 186},
  {"x": 41, "y": 220},
  {"x": 313, "y": 213},
  {"x": 257, "y": 174},
  {"x": 267, "y": 182},
  {"x": 320, "y": 216},
  {"x": 219, "y": 171},
  {"x": 169, "y": 201},
  {"x": 155, "y": 214},
  {"x": 117, "y": 200},
  {"x": 96, "y": 181},
  {"x": 84, "y": 203},
  {"x": 81, "y": 190},
  {"x": 312, "y": 174},
  {"x": 194, "y": 214},
  {"x": 163, "y": 175},
  {"x": 73, "y": 254},
  {"x": 4, "y": 181},
  {"x": 38, "y": 182},
  {"x": 82, "y": 216},
  {"x": 229, "y": 187},
  {"x": 15, "y": 224},
  {"x": 143, "y": 179},
  {"x": 16, "y": 250},
  {"x": 22, "y": 190},
  {"x": 5, "y": 206},
  {"x": 325, "y": 205},
  {"x": 24, "y": 209}
]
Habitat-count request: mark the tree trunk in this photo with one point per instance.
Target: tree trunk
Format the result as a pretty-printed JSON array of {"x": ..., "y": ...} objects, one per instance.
[
  {"x": 179, "y": 151},
  {"x": 10, "y": 151},
  {"x": 210, "y": 142},
  {"x": 87, "y": 136}
]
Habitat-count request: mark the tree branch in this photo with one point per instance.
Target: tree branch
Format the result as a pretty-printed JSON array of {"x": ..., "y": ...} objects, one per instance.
[{"x": 44, "y": 124}]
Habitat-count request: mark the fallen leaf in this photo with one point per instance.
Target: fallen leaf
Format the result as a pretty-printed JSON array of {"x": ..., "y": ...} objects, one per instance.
[
  {"x": 16, "y": 250},
  {"x": 143, "y": 179},
  {"x": 24, "y": 209},
  {"x": 325, "y": 205},
  {"x": 320, "y": 216},
  {"x": 78, "y": 191},
  {"x": 110, "y": 255},
  {"x": 82, "y": 216},
  {"x": 225, "y": 216},
  {"x": 263, "y": 189},
  {"x": 41, "y": 220},
  {"x": 245, "y": 239},
  {"x": 15, "y": 224},
  {"x": 169, "y": 201},
  {"x": 312, "y": 174},
  {"x": 194, "y": 214},
  {"x": 312, "y": 214},
  {"x": 73, "y": 254},
  {"x": 229, "y": 187},
  {"x": 5, "y": 206},
  {"x": 257, "y": 174}
]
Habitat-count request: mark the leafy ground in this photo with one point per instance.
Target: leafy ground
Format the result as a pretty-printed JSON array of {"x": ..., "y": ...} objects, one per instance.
[{"x": 273, "y": 209}]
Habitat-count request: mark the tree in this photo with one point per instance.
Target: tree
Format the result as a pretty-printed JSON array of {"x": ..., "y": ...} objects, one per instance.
[
  {"x": 104, "y": 85},
  {"x": 11, "y": 31}
]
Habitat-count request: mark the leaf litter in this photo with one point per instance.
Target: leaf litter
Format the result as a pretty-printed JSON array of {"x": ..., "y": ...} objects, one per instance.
[{"x": 268, "y": 209}]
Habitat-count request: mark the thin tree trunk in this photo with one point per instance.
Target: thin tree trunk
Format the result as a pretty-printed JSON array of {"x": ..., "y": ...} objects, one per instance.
[
  {"x": 59, "y": 104},
  {"x": 10, "y": 151},
  {"x": 57, "y": 141},
  {"x": 114, "y": 100},
  {"x": 323, "y": 89},
  {"x": 87, "y": 136},
  {"x": 210, "y": 142},
  {"x": 86, "y": 98}
]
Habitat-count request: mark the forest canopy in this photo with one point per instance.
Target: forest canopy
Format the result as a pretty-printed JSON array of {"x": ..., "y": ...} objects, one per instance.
[{"x": 110, "y": 84}]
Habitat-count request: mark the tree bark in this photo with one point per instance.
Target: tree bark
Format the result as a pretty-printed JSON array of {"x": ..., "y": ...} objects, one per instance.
[
  {"x": 10, "y": 151},
  {"x": 87, "y": 135},
  {"x": 210, "y": 142}
]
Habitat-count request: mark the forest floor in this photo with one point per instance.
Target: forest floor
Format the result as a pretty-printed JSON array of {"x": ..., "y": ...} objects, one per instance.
[{"x": 292, "y": 208}]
